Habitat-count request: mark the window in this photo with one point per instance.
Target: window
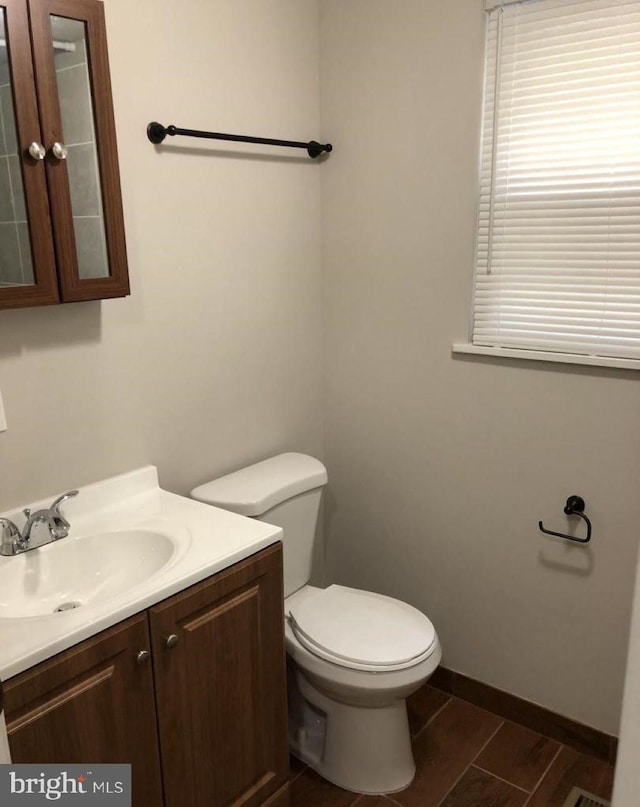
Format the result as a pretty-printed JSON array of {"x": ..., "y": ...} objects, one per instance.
[{"x": 558, "y": 255}]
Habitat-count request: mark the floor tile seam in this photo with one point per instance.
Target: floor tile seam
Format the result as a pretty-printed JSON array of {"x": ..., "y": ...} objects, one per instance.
[
  {"x": 555, "y": 740},
  {"x": 466, "y": 768},
  {"x": 432, "y": 718},
  {"x": 453, "y": 786},
  {"x": 501, "y": 778},
  {"x": 542, "y": 778},
  {"x": 298, "y": 775},
  {"x": 368, "y": 795},
  {"x": 393, "y": 801},
  {"x": 493, "y": 734}
]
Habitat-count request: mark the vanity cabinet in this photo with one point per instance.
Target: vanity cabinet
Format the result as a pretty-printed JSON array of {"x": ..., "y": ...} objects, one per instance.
[
  {"x": 202, "y": 716},
  {"x": 61, "y": 222}
]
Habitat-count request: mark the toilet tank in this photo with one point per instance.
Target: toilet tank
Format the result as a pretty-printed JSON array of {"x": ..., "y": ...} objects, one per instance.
[{"x": 285, "y": 491}]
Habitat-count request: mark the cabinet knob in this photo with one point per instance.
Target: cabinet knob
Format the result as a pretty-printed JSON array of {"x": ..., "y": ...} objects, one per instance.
[
  {"x": 37, "y": 151},
  {"x": 171, "y": 641},
  {"x": 59, "y": 151},
  {"x": 143, "y": 655}
]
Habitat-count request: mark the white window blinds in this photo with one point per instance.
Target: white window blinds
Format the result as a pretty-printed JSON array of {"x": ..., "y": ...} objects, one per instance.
[{"x": 558, "y": 259}]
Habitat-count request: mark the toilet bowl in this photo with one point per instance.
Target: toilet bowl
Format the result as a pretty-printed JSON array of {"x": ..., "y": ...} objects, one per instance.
[
  {"x": 356, "y": 735},
  {"x": 353, "y": 656}
]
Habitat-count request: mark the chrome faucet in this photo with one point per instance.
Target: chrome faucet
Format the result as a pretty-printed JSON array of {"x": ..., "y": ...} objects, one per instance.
[{"x": 41, "y": 527}]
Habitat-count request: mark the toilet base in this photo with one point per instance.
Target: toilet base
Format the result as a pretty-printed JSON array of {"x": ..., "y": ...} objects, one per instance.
[{"x": 366, "y": 750}]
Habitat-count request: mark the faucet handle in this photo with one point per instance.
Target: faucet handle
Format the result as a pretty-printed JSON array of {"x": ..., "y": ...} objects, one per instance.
[
  {"x": 27, "y": 511},
  {"x": 8, "y": 527},
  {"x": 58, "y": 523},
  {"x": 10, "y": 536},
  {"x": 54, "y": 509}
]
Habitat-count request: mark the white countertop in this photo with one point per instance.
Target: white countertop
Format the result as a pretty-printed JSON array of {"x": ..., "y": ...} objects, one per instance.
[{"x": 207, "y": 540}]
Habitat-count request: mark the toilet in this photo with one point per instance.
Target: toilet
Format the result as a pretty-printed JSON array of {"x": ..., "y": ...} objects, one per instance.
[{"x": 353, "y": 656}]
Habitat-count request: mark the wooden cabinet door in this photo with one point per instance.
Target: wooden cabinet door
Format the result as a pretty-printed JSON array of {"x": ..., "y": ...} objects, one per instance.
[
  {"x": 93, "y": 703},
  {"x": 220, "y": 687},
  {"x": 76, "y": 111},
  {"x": 27, "y": 259}
]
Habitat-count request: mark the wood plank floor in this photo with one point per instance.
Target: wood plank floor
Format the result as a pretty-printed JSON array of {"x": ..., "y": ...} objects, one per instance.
[{"x": 469, "y": 757}]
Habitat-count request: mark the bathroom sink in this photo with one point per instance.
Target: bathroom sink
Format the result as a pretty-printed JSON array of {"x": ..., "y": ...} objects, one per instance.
[
  {"x": 75, "y": 572},
  {"x": 131, "y": 545}
]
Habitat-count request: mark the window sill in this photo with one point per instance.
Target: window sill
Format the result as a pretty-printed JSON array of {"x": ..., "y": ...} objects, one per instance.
[{"x": 541, "y": 355}]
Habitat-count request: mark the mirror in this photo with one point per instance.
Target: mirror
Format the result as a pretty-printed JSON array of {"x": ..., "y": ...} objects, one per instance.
[
  {"x": 69, "y": 44},
  {"x": 16, "y": 267}
]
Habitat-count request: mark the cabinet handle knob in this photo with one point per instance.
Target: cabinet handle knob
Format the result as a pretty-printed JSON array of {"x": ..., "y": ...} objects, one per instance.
[
  {"x": 59, "y": 151},
  {"x": 37, "y": 151},
  {"x": 171, "y": 641},
  {"x": 143, "y": 655}
]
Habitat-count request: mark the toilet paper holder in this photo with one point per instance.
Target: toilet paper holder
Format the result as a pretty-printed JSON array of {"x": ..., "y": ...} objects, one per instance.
[{"x": 574, "y": 507}]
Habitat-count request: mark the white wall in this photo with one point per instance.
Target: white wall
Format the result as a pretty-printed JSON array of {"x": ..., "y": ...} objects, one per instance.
[
  {"x": 627, "y": 780},
  {"x": 441, "y": 467},
  {"x": 215, "y": 359}
]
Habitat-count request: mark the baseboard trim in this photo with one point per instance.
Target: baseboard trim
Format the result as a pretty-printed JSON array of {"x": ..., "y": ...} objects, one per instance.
[{"x": 583, "y": 738}]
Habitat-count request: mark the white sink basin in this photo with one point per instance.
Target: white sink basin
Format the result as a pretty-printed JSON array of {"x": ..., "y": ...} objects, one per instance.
[{"x": 71, "y": 573}]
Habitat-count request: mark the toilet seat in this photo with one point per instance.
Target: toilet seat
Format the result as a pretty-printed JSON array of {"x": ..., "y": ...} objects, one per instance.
[{"x": 362, "y": 630}]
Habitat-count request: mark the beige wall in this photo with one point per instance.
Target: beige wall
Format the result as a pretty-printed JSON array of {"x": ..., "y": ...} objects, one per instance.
[
  {"x": 441, "y": 467},
  {"x": 215, "y": 359}
]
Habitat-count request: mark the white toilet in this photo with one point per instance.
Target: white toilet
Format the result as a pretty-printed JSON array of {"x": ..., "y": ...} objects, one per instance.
[{"x": 354, "y": 656}]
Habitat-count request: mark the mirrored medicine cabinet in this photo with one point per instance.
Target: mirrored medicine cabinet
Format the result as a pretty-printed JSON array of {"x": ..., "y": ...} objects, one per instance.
[{"x": 61, "y": 223}]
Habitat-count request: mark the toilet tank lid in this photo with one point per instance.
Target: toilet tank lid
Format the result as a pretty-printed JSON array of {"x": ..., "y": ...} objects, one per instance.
[{"x": 254, "y": 490}]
